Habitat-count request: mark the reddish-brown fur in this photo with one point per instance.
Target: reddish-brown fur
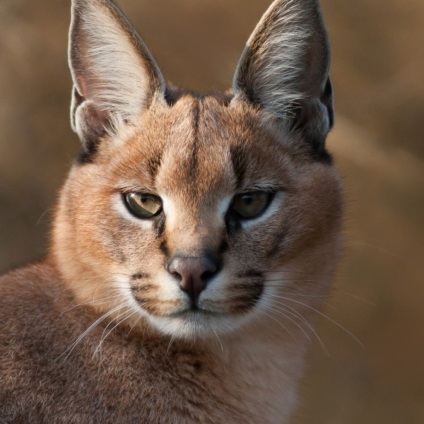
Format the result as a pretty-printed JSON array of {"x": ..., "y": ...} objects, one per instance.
[{"x": 149, "y": 359}]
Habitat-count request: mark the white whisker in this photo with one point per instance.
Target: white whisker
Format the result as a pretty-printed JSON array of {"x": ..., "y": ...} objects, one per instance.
[
  {"x": 321, "y": 314},
  {"x": 69, "y": 350},
  {"x": 296, "y": 314},
  {"x": 127, "y": 314}
]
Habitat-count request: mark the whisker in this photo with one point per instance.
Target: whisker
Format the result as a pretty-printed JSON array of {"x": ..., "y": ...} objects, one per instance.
[
  {"x": 281, "y": 311},
  {"x": 300, "y": 290},
  {"x": 217, "y": 336},
  {"x": 296, "y": 280},
  {"x": 359, "y": 298},
  {"x": 278, "y": 322},
  {"x": 127, "y": 314},
  {"x": 134, "y": 325},
  {"x": 290, "y": 271},
  {"x": 171, "y": 341},
  {"x": 322, "y": 315},
  {"x": 70, "y": 349},
  {"x": 358, "y": 243},
  {"x": 93, "y": 302},
  {"x": 296, "y": 314}
]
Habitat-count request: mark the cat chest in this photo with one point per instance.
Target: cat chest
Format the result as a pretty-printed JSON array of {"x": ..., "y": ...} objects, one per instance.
[{"x": 153, "y": 384}]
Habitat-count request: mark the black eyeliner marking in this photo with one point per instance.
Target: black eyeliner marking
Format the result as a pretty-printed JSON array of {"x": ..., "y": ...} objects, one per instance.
[
  {"x": 159, "y": 224},
  {"x": 223, "y": 247},
  {"x": 232, "y": 223},
  {"x": 164, "y": 248}
]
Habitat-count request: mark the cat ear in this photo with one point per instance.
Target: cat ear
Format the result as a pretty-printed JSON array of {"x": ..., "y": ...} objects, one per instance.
[
  {"x": 284, "y": 68},
  {"x": 115, "y": 78}
]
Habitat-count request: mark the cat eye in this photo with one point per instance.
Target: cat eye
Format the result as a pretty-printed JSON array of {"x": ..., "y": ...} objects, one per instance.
[
  {"x": 252, "y": 204},
  {"x": 142, "y": 205}
]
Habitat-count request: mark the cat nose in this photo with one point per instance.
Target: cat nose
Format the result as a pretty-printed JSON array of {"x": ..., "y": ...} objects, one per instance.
[{"x": 193, "y": 273}]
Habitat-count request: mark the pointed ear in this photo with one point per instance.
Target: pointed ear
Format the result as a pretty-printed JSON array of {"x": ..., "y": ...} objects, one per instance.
[
  {"x": 115, "y": 77},
  {"x": 284, "y": 69}
]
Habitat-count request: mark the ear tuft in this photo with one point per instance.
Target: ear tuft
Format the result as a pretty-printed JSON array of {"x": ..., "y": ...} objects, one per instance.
[
  {"x": 284, "y": 68},
  {"x": 115, "y": 77}
]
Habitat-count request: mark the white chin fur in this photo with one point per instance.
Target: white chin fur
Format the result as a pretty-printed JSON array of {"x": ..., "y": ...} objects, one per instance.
[{"x": 197, "y": 325}]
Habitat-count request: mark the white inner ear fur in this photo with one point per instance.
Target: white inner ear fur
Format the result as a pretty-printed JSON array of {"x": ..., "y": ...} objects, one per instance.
[
  {"x": 279, "y": 61},
  {"x": 116, "y": 80}
]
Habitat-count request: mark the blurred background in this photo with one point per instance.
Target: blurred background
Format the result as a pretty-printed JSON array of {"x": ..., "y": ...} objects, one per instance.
[{"x": 378, "y": 74}]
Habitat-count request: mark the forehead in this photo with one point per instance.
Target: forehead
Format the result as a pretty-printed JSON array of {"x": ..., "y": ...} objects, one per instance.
[
  {"x": 197, "y": 154},
  {"x": 199, "y": 146}
]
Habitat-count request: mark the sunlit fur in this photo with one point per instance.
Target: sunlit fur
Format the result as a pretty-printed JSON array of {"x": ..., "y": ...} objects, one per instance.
[{"x": 101, "y": 331}]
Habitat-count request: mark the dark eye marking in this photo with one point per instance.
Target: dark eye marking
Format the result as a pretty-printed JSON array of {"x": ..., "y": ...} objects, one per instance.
[
  {"x": 159, "y": 224},
  {"x": 223, "y": 247},
  {"x": 164, "y": 248}
]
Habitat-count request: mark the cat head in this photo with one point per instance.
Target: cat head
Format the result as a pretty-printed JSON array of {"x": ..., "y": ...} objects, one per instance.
[{"x": 198, "y": 212}]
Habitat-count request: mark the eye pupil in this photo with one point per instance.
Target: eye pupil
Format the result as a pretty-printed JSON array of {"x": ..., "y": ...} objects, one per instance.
[
  {"x": 248, "y": 199},
  {"x": 143, "y": 205}
]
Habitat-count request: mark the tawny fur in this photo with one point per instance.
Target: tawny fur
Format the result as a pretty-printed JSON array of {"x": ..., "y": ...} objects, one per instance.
[{"x": 100, "y": 332}]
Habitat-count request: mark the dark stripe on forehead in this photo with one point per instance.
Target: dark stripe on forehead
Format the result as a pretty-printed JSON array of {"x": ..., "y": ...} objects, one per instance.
[
  {"x": 153, "y": 164},
  {"x": 193, "y": 164},
  {"x": 239, "y": 161}
]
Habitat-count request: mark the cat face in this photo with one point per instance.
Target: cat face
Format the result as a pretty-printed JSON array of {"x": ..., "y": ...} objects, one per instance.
[
  {"x": 192, "y": 212},
  {"x": 197, "y": 158}
]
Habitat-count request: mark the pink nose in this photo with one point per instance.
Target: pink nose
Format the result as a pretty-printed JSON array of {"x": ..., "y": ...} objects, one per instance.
[{"x": 193, "y": 273}]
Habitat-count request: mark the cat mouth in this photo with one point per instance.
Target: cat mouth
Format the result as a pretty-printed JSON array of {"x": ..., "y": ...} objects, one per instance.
[
  {"x": 193, "y": 311},
  {"x": 239, "y": 300},
  {"x": 179, "y": 309}
]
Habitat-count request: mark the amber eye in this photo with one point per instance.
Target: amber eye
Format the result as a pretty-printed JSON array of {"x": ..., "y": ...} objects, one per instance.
[
  {"x": 250, "y": 205},
  {"x": 143, "y": 205}
]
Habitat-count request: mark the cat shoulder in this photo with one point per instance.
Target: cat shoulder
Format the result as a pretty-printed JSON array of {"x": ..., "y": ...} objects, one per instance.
[{"x": 28, "y": 296}]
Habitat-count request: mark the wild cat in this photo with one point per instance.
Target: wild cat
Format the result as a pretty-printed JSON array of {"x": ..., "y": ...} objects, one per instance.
[{"x": 193, "y": 241}]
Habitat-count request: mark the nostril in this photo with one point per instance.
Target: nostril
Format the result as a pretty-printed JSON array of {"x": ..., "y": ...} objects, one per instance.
[
  {"x": 207, "y": 275},
  {"x": 175, "y": 268},
  {"x": 176, "y": 275},
  {"x": 193, "y": 273}
]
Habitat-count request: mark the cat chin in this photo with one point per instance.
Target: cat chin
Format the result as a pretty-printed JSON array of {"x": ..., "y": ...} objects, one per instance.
[{"x": 197, "y": 325}]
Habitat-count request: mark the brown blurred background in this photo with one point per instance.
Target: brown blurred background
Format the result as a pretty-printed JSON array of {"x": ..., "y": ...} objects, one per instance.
[{"x": 378, "y": 145}]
